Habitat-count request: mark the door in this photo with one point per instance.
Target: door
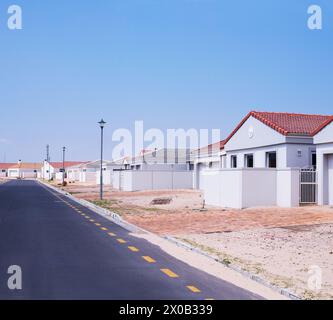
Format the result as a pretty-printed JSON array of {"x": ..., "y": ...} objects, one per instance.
[{"x": 330, "y": 179}]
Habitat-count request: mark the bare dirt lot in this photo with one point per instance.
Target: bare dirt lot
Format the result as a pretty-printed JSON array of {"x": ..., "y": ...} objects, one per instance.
[{"x": 280, "y": 245}]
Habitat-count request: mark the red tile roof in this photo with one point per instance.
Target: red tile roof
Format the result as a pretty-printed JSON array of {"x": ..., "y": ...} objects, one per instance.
[
  {"x": 27, "y": 166},
  {"x": 210, "y": 149},
  {"x": 58, "y": 165},
  {"x": 288, "y": 123},
  {"x": 5, "y": 166}
]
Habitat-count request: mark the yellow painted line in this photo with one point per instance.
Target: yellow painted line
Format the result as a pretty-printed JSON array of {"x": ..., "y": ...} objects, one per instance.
[
  {"x": 82, "y": 214},
  {"x": 121, "y": 240},
  {"x": 209, "y": 299},
  {"x": 98, "y": 224},
  {"x": 149, "y": 259},
  {"x": 87, "y": 217},
  {"x": 104, "y": 229},
  {"x": 169, "y": 273},
  {"x": 193, "y": 289},
  {"x": 92, "y": 220},
  {"x": 134, "y": 249},
  {"x": 111, "y": 234}
]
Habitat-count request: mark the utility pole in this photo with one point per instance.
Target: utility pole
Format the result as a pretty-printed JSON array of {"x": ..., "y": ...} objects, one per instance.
[
  {"x": 47, "y": 153},
  {"x": 102, "y": 124},
  {"x": 63, "y": 165}
]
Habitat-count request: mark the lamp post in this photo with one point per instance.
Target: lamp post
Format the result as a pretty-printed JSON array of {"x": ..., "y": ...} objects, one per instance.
[
  {"x": 102, "y": 124},
  {"x": 63, "y": 165}
]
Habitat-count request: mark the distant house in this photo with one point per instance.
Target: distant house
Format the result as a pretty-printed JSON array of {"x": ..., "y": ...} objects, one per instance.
[
  {"x": 155, "y": 170},
  {"x": 324, "y": 141},
  {"x": 4, "y": 169},
  {"x": 25, "y": 170},
  {"x": 261, "y": 163},
  {"x": 54, "y": 170}
]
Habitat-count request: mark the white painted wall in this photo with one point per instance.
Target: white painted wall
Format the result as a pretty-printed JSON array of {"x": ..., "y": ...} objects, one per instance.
[
  {"x": 259, "y": 187},
  {"x": 330, "y": 179},
  {"x": 293, "y": 158},
  {"x": 259, "y": 155},
  {"x": 153, "y": 180},
  {"x": 262, "y": 136},
  {"x": 325, "y": 135},
  {"x": 107, "y": 177},
  {"x": 324, "y": 153},
  {"x": 243, "y": 188},
  {"x": 288, "y": 188}
]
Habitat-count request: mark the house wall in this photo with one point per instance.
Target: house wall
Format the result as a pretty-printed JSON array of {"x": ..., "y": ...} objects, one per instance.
[
  {"x": 243, "y": 188},
  {"x": 324, "y": 168},
  {"x": 153, "y": 180},
  {"x": 3, "y": 174},
  {"x": 262, "y": 136},
  {"x": 107, "y": 177},
  {"x": 324, "y": 143}
]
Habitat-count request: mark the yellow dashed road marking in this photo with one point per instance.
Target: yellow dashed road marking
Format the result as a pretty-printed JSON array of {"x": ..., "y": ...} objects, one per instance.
[
  {"x": 98, "y": 224},
  {"x": 92, "y": 220},
  {"x": 169, "y": 273},
  {"x": 134, "y": 249},
  {"x": 121, "y": 240},
  {"x": 111, "y": 234},
  {"x": 193, "y": 289},
  {"x": 149, "y": 259},
  {"x": 209, "y": 299},
  {"x": 104, "y": 229}
]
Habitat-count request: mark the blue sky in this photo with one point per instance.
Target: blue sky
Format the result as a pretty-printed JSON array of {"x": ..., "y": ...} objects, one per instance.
[{"x": 172, "y": 63}]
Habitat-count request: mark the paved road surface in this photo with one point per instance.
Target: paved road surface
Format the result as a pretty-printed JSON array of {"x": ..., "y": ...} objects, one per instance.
[{"x": 66, "y": 251}]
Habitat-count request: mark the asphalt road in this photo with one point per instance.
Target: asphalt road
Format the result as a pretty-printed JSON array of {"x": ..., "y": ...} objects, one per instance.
[{"x": 66, "y": 251}]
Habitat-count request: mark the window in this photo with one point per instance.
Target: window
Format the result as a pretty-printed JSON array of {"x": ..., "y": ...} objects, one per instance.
[
  {"x": 210, "y": 164},
  {"x": 249, "y": 162},
  {"x": 3, "y": 170},
  {"x": 314, "y": 159},
  {"x": 299, "y": 153},
  {"x": 138, "y": 167},
  {"x": 233, "y": 161},
  {"x": 191, "y": 166},
  {"x": 271, "y": 159}
]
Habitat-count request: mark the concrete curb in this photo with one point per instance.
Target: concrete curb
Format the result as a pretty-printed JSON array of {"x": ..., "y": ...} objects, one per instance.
[
  {"x": 114, "y": 217},
  {"x": 282, "y": 291}
]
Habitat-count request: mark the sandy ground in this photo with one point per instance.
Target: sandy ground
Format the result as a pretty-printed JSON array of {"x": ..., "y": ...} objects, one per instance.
[
  {"x": 280, "y": 245},
  {"x": 284, "y": 256}
]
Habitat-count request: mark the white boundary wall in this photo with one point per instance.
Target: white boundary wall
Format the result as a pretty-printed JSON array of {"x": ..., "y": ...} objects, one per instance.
[
  {"x": 129, "y": 180},
  {"x": 244, "y": 188}
]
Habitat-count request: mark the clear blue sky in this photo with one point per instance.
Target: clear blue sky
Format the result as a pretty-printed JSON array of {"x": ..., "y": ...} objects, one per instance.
[{"x": 171, "y": 63}]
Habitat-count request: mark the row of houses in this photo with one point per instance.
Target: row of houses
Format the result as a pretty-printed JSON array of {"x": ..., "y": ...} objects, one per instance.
[{"x": 269, "y": 159}]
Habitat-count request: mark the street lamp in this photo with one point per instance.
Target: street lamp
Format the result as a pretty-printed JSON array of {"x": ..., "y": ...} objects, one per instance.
[
  {"x": 102, "y": 124},
  {"x": 63, "y": 165}
]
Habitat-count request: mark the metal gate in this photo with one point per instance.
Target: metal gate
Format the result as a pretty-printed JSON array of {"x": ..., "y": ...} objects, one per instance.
[{"x": 308, "y": 186}]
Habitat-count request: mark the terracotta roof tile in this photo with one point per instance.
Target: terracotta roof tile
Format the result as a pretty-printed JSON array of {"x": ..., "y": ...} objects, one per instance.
[{"x": 288, "y": 123}]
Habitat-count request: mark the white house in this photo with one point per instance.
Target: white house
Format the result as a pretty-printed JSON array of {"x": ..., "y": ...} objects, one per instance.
[
  {"x": 25, "y": 170},
  {"x": 4, "y": 169},
  {"x": 324, "y": 142},
  {"x": 155, "y": 170},
  {"x": 54, "y": 170},
  {"x": 260, "y": 161}
]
